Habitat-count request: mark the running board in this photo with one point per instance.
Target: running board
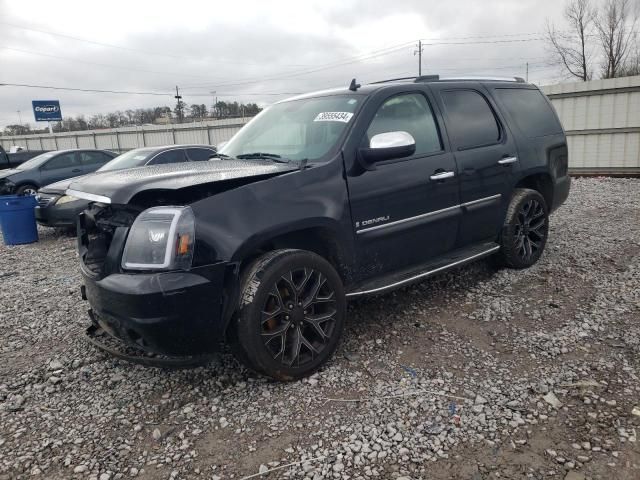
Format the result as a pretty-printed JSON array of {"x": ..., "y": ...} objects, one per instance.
[{"x": 400, "y": 279}]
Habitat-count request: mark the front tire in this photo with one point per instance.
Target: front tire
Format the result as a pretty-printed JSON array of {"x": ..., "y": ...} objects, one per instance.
[
  {"x": 525, "y": 231},
  {"x": 26, "y": 190},
  {"x": 291, "y": 316}
]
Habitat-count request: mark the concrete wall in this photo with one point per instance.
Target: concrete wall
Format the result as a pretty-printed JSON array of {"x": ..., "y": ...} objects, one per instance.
[{"x": 602, "y": 121}]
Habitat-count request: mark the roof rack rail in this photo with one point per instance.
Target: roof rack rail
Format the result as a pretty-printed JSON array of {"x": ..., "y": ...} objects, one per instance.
[
  {"x": 485, "y": 78},
  {"x": 392, "y": 80},
  {"x": 436, "y": 78}
]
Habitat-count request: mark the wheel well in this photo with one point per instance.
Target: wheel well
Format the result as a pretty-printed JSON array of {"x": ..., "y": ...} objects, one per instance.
[
  {"x": 27, "y": 182},
  {"x": 541, "y": 182},
  {"x": 319, "y": 240}
]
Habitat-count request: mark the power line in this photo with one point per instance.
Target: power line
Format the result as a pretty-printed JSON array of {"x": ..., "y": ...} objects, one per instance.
[
  {"x": 361, "y": 58},
  {"x": 120, "y": 47},
  {"x": 31, "y": 52},
  {"x": 484, "y": 42},
  {"x": 123, "y": 92},
  {"x": 485, "y": 36},
  {"x": 327, "y": 66},
  {"x": 87, "y": 90}
]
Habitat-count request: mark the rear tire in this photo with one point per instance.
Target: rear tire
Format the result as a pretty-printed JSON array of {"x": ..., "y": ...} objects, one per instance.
[
  {"x": 525, "y": 231},
  {"x": 291, "y": 316}
]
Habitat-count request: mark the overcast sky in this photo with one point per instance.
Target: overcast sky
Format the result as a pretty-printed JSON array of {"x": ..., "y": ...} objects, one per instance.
[{"x": 252, "y": 51}]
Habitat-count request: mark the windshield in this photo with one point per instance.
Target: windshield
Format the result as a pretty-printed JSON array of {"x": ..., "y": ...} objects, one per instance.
[
  {"x": 298, "y": 129},
  {"x": 36, "y": 161},
  {"x": 130, "y": 159}
]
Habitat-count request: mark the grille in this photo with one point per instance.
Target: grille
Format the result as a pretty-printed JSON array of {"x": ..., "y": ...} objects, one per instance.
[{"x": 45, "y": 200}]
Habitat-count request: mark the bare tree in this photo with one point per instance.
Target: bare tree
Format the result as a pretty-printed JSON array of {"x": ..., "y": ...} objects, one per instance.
[
  {"x": 631, "y": 66},
  {"x": 571, "y": 47},
  {"x": 615, "y": 24}
]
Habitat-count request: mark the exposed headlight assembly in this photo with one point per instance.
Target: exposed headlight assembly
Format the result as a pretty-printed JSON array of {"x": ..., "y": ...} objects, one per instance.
[
  {"x": 161, "y": 238},
  {"x": 66, "y": 199}
]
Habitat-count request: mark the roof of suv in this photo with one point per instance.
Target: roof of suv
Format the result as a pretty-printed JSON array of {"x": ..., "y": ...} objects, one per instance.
[{"x": 374, "y": 86}]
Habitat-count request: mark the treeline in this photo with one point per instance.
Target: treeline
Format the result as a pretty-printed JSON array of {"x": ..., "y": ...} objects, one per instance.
[
  {"x": 598, "y": 39},
  {"x": 181, "y": 113}
]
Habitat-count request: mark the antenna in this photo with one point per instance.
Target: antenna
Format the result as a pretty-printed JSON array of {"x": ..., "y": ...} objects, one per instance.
[{"x": 353, "y": 86}]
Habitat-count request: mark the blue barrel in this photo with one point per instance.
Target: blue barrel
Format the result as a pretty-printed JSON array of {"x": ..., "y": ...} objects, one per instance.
[{"x": 18, "y": 219}]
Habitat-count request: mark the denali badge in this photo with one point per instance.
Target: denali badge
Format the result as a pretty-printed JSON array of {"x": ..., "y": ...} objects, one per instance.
[{"x": 373, "y": 221}]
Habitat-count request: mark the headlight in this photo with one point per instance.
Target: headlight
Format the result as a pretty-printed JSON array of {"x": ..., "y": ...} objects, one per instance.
[
  {"x": 66, "y": 199},
  {"x": 161, "y": 238}
]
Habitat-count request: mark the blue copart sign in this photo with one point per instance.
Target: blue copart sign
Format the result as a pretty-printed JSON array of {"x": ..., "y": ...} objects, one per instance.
[{"x": 47, "y": 110}]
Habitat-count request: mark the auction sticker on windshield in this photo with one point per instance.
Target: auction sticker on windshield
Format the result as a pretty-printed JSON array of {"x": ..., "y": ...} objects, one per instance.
[{"x": 334, "y": 117}]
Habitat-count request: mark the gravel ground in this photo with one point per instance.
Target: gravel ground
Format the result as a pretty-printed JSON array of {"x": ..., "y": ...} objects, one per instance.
[{"x": 479, "y": 373}]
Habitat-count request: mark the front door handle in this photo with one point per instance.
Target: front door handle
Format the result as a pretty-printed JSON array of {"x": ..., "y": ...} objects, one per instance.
[
  {"x": 507, "y": 160},
  {"x": 442, "y": 175},
  {"x": 76, "y": 170}
]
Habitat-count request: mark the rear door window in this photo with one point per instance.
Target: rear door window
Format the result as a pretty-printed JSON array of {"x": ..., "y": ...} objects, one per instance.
[
  {"x": 471, "y": 119},
  {"x": 530, "y": 110},
  {"x": 170, "y": 156},
  {"x": 94, "y": 158},
  {"x": 65, "y": 160},
  {"x": 199, "y": 154}
]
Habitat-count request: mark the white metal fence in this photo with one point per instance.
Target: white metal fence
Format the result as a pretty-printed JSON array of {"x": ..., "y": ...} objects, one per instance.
[
  {"x": 602, "y": 121},
  {"x": 210, "y": 132}
]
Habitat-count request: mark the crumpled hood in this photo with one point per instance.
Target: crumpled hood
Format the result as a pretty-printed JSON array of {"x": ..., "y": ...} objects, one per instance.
[
  {"x": 120, "y": 186},
  {"x": 59, "y": 187}
]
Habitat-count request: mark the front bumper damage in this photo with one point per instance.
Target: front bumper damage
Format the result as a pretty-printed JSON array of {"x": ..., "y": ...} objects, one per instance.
[
  {"x": 162, "y": 313},
  {"x": 169, "y": 313}
]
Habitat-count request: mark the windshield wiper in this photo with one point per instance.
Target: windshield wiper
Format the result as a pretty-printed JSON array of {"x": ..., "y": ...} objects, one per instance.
[{"x": 263, "y": 155}]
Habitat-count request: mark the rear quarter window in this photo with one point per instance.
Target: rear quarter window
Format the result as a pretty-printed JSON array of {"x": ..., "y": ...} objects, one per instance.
[
  {"x": 530, "y": 110},
  {"x": 471, "y": 123}
]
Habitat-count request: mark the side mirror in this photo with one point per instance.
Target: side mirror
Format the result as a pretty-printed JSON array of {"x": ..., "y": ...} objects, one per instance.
[{"x": 387, "y": 146}]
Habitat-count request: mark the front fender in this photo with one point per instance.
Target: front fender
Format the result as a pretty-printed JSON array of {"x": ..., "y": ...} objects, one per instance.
[{"x": 234, "y": 222}]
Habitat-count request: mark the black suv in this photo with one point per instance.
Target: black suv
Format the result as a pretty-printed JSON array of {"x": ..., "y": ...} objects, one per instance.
[{"x": 319, "y": 199}]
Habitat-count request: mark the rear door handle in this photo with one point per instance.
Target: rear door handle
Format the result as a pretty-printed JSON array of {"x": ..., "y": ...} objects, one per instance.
[
  {"x": 507, "y": 160},
  {"x": 76, "y": 170},
  {"x": 442, "y": 175}
]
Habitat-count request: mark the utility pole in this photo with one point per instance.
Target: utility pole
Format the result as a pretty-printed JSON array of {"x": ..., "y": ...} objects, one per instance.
[
  {"x": 19, "y": 117},
  {"x": 419, "y": 53},
  {"x": 527, "y": 77},
  {"x": 178, "y": 98},
  {"x": 215, "y": 101}
]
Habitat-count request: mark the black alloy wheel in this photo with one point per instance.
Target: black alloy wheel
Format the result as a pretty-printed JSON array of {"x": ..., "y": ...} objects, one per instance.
[
  {"x": 525, "y": 231},
  {"x": 531, "y": 231},
  {"x": 291, "y": 314},
  {"x": 298, "y": 317}
]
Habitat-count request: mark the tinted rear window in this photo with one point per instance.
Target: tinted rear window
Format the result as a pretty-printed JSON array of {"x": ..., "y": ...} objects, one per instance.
[
  {"x": 170, "y": 156},
  {"x": 199, "y": 154},
  {"x": 471, "y": 120},
  {"x": 530, "y": 110}
]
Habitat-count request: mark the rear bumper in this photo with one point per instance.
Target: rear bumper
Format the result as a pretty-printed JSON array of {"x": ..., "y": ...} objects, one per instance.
[{"x": 170, "y": 313}]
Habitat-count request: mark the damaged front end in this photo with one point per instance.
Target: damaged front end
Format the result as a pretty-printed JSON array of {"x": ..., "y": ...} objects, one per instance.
[
  {"x": 142, "y": 286},
  {"x": 102, "y": 232}
]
